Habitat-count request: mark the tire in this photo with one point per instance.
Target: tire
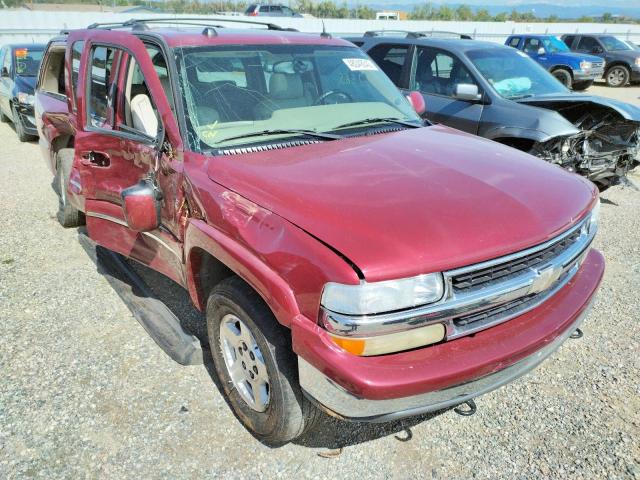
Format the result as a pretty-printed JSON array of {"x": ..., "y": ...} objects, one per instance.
[
  {"x": 563, "y": 76},
  {"x": 17, "y": 123},
  {"x": 68, "y": 216},
  {"x": 579, "y": 86},
  {"x": 280, "y": 411},
  {"x": 3, "y": 117},
  {"x": 617, "y": 76}
]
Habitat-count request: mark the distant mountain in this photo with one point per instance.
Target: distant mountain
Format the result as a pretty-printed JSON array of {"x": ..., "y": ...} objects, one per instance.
[{"x": 569, "y": 9}]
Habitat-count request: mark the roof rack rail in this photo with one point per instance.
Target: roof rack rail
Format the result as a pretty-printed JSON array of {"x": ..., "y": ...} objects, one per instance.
[
  {"x": 142, "y": 23},
  {"x": 425, "y": 33}
]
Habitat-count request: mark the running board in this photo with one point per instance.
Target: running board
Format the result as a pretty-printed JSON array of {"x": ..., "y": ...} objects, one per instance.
[{"x": 155, "y": 317}]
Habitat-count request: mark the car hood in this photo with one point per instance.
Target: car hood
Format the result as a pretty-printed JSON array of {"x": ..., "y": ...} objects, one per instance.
[
  {"x": 411, "y": 202},
  {"x": 25, "y": 84},
  {"x": 626, "y": 110}
]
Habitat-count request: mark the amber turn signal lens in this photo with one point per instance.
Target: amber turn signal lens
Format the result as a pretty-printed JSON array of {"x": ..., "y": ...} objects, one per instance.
[{"x": 394, "y": 342}]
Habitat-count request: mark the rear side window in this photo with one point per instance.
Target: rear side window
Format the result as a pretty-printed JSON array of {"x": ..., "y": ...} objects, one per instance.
[
  {"x": 52, "y": 74},
  {"x": 102, "y": 83},
  {"x": 587, "y": 44},
  {"x": 514, "y": 42},
  {"x": 531, "y": 45},
  {"x": 76, "y": 53},
  {"x": 222, "y": 69},
  {"x": 391, "y": 59}
]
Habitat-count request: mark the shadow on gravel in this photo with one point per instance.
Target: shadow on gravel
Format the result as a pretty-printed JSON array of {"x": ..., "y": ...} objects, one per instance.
[{"x": 330, "y": 433}]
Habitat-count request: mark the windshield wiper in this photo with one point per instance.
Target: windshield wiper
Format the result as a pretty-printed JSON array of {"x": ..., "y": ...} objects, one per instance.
[
  {"x": 367, "y": 121},
  {"x": 283, "y": 131}
]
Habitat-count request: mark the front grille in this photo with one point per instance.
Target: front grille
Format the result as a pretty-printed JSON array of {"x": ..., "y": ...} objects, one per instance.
[
  {"x": 484, "y": 277},
  {"x": 503, "y": 310}
]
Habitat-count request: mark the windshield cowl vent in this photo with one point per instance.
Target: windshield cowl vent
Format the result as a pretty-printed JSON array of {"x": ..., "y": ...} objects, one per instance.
[{"x": 265, "y": 148}]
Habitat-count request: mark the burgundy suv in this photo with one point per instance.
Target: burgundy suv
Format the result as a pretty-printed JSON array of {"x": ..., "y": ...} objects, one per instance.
[{"x": 348, "y": 257}]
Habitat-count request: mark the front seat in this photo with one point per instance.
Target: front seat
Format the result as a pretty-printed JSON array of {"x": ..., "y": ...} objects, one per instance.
[{"x": 285, "y": 91}]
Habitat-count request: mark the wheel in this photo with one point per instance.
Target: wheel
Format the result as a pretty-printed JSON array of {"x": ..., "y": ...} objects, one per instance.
[
  {"x": 17, "y": 123},
  {"x": 67, "y": 215},
  {"x": 579, "y": 86},
  {"x": 563, "y": 76},
  {"x": 617, "y": 76},
  {"x": 256, "y": 365}
]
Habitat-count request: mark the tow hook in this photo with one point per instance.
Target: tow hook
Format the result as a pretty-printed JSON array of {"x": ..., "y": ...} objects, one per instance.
[
  {"x": 467, "y": 412},
  {"x": 577, "y": 334}
]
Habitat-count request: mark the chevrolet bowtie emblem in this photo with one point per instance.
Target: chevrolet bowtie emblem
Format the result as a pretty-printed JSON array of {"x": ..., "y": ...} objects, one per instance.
[{"x": 545, "y": 278}]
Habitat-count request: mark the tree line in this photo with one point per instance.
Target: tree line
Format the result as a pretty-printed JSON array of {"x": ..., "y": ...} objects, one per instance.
[{"x": 330, "y": 9}]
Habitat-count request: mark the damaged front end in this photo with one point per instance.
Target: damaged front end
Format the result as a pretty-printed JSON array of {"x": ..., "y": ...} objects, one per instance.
[{"x": 606, "y": 147}]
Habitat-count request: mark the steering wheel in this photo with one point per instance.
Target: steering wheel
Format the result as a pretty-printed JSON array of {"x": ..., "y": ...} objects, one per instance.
[{"x": 321, "y": 100}]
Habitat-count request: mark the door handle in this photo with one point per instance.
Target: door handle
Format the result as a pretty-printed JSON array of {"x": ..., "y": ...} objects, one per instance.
[{"x": 95, "y": 159}]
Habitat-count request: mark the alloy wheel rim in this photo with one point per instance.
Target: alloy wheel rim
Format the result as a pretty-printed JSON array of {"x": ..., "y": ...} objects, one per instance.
[
  {"x": 244, "y": 362},
  {"x": 616, "y": 76}
]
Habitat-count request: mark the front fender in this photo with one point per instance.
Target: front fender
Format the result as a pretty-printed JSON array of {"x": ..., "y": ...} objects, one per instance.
[
  {"x": 283, "y": 263},
  {"x": 518, "y": 132}
]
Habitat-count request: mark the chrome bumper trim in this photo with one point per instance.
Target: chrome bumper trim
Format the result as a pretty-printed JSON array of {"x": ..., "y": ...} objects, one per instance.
[
  {"x": 338, "y": 402},
  {"x": 544, "y": 281}
]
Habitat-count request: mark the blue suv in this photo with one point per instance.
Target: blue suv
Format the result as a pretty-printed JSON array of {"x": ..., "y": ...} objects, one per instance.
[{"x": 574, "y": 70}]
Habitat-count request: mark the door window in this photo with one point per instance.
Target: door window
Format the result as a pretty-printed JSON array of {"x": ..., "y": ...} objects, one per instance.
[
  {"x": 532, "y": 45},
  {"x": 102, "y": 86},
  {"x": 438, "y": 72},
  {"x": 76, "y": 53},
  {"x": 587, "y": 44},
  {"x": 569, "y": 40},
  {"x": 391, "y": 59},
  {"x": 514, "y": 42},
  {"x": 287, "y": 11}
]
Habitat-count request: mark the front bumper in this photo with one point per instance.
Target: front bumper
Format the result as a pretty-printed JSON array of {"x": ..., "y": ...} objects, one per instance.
[
  {"x": 27, "y": 118},
  {"x": 379, "y": 389},
  {"x": 590, "y": 75},
  {"x": 635, "y": 73}
]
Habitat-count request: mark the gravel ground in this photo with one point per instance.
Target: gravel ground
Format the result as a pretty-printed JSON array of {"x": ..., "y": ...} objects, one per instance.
[{"x": 85, "y": 393}]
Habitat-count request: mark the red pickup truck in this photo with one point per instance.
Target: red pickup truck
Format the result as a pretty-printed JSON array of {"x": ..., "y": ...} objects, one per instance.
[{"x": 348, "y": 256}]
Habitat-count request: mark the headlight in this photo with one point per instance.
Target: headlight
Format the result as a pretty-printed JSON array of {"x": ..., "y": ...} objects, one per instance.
[
  {"x": 638, "y": 61},
  {"x": 595, "y": 217},
  {"x": 387, "y": 296},
  {"x": 584, "y": 65},
  {"x": 25, "y": 98}
]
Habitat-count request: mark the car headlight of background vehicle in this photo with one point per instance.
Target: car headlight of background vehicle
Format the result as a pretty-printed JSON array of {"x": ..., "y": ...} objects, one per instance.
[
  {"x": 638, "y": 61},
  {"x": 584, "y": 65},
  {"x": 25, "y": 98},
  {"x": 382, "y": 297}
]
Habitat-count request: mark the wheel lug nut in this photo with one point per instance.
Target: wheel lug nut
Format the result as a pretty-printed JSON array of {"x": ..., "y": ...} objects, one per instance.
[
  {"x": 244, "y": 366},
  {"x": 240, "y": 350},
  {"x": 255, "y": 369},
  {"x": 251, "y": 375},
  {"x": 244, "y": 346}
]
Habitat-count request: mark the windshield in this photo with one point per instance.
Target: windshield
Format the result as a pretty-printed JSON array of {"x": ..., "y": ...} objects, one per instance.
[
  {"x": 613, "y": 44},
  {"x": 236, "y": 91},
  {"x": 513, "y": 75},
  {"x": 553, "y": 45},
  {"x": 27, "y": 61}
]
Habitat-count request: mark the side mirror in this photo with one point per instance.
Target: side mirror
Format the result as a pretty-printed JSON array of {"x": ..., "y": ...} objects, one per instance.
[
  {"x": 467, "y": 92},
  {"x": 5, "y": 72},
  {"x": 417, "y": 102},
  {"x": 541, "y": 51},
  {"x": 141, "y": 207}
]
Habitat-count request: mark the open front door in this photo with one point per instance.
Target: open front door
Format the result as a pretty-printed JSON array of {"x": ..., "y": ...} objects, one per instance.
[{"x": 127, "y": 134}]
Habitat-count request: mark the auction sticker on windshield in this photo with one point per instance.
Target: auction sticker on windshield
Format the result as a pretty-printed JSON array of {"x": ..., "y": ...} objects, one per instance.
[{"x": 357, "y": 64}]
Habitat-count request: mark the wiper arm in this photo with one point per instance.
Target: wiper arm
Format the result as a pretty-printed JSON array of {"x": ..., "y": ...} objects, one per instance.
[
  {"x": 367, "y": 121},
  {"x": 262, "y": 133}
]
